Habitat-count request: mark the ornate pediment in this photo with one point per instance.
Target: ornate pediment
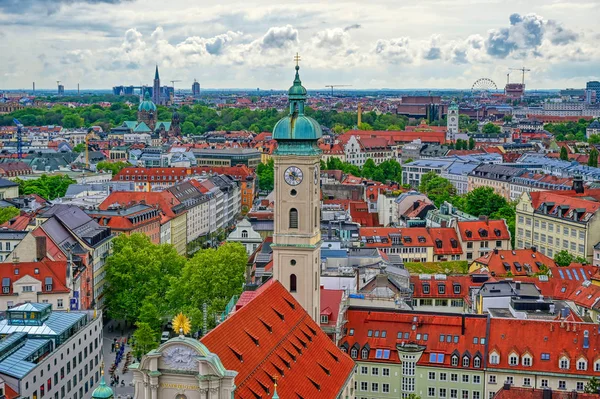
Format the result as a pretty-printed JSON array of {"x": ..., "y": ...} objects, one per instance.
[{"x": 180, "y": 357}]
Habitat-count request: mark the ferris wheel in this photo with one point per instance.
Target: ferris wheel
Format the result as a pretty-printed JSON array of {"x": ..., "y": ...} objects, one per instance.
[{"x": 483, "y": 87}]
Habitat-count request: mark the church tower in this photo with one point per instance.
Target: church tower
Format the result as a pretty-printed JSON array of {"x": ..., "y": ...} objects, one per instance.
[
  {"x": 452, "y": 122},
  {"x": 156, "y": 88},
  {"x": 297, "y": 235}
]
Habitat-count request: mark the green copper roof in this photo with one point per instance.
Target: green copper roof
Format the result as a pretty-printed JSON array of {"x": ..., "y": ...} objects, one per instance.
[
  {"x": 296, "y": 126},
  {"x": 142, "y": 128},
  {"x": 147, "y": 105},
  {"x": 103, "y": 391}
]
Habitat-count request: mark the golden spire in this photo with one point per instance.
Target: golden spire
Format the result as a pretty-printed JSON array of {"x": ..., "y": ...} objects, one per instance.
[
  {"x": 297, "y": 59},
  {"x": 182, "y": 324}
]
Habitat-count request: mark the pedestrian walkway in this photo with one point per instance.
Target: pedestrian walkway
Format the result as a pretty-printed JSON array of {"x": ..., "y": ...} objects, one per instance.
[{"x": 124, "y": 389}]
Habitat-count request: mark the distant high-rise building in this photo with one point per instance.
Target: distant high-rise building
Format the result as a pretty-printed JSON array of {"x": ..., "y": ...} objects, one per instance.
[
  {"x": 594, "y": 86},
  {"x": 156, "y": 88},
  {"x": 196, "y": 89},
  {"x": 61, "y": 90}
]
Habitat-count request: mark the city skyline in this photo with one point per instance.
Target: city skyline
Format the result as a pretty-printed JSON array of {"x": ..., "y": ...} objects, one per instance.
[{"x": 435, "y": 44}]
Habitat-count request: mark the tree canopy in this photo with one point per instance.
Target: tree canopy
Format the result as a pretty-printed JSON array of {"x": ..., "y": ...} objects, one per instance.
[
  {"x": 136, "y": 272},
  {"x": 8, "y": 213},
  {"x": 46, "y": 187},
  {"x": 114, "y": 167},
  {"x": 387, "y": 170},
  {"x": 266, "y": 175},
  {"x": 437, "y": 188},
  {"x": 490, "y": 128},
  {"x": 564, "y": 154},
  {"x": 569, "y": 130}
]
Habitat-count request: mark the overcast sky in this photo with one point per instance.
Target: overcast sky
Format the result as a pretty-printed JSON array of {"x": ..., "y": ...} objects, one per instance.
[{"x": 245, "y": 44}]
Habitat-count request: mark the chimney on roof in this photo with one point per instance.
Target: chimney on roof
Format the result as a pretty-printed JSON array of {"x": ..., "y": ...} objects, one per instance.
[
  {"x": 507, "y": 386},
  {"x": 495, "y": 251},
  {"x": 578, "y": 185},
  {"x": 534, "y": 249},
  {"x": 40, "y": 248}
]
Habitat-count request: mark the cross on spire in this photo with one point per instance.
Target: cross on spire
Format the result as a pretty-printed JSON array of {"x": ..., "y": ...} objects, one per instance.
[{"x": 297, "y": 59}]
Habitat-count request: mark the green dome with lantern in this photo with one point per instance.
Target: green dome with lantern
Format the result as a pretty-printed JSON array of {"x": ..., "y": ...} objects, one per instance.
[
  {"x": 297, "y": 133},
  {"x": 103, "y": 391},
  {"x": 147, "y": 105}
]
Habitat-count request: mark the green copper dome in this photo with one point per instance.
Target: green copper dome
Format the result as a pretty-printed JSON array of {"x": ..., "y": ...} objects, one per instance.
[
  {"x": 297, "y": 127},
  {"x": 147, "y": 105},
  {"x": 103, "y": 391}
]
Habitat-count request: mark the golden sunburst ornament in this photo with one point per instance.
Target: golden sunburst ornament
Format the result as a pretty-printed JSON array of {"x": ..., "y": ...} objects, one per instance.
[{"x": 182, "y": 324}]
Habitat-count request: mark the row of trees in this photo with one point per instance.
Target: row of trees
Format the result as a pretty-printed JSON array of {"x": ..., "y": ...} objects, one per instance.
[
  {"x": 47, "y": 187},
  {"x": 592, "y": 159},
  {"x": 387, "y": 170},
  {"x": 569, "y": 130},
  {"x": 478, "y": 202},
  {"x": 147, "y": 284},
  {"x": 196, "y": 119}
]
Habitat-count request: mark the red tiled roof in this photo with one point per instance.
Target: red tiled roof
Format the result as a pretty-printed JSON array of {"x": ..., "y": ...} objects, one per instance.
[
  {"x": 273, "y": 338},
  {"x": 330, "y": 304},
  {"x": 531, "y": 393},
  {"x": 483, "y": 230},
  {"x": 415, "y": 237},
  {"x": 432, "y": 135},
  {"x": 504, "y": 261},
  {"x": 450, "y": 283},
  {"x": 414, "y": 328},
  {"x": 552, "y": 337},
  {"x": 56, "y": 270},
  {"x": 163, "y": 199},
  {"x": 569, "y": 200},
  {"x": 179, "y": 173}
]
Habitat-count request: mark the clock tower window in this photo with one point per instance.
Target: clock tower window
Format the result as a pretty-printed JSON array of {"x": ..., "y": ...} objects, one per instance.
[
  {"x": 293, "y": 218},
  {"x": 293, "y": 286}
]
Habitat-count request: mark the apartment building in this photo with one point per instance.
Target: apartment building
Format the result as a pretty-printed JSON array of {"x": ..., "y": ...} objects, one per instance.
[
  {"x": 441, "y": 293},
  {"x": 399, "y": 354},
  {"x": 529, "y": 182},
  {"x": 479, "y": 237},
  {"x": 49, "y": 353},
  {"x": 413, "y": 171},
  {"x": 497, "y": 177},
  {"x": 553, "y": 221}
]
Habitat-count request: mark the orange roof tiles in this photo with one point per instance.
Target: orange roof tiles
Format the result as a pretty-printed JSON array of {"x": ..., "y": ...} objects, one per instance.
[
  {"x": 272, "y": 338},
  {"x": 530, "y": 393},
  {"x": 56, "y": 270},
  {"x": 366, "y": 329},
  {"x": 330, "y": 304},
  {"x": 519, "y": 262},
  {"x": 455, "y": 287},
  {"x": 555, "y": 338},
  {"x": 444, "y": 240},
  {"x": 483, "y": 230}
]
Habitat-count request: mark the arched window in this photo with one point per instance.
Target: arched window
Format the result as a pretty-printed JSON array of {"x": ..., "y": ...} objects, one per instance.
[
  {"x": 364, "y": 353},
  {"x": 454, "y": 360},
  {"x": 563, "y": 363},
  {"x": 292, "y": 283},
  {"x": 293, "y": 218},
  {"x": 477, "y": 362},
  {"x": 244, "y": 233},
  {"x": 354, "y": 353},
  {"x": 466, "y": 361},
  {"x": 316, "y": 217}
]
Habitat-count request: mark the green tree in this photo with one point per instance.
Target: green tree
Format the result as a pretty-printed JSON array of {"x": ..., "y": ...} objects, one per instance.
[
  {"x": 436, "y": 188},
  {"x": 266, "y": 175},
  {"x": 145, "y": 338},
  {"x": 187, "y": 127},
  {"x": 563, "y": 258},
  {"x": 72, "y": 121},
  {"x": 564, "y": 155},
  {"x": 593, "y": 158},
  {"x": 490, "y": 128},
  {"x": 471, "y": 143},
  {"x": 137, "y": 272},
  {"x": 508, "y": 213},
  {"x": 592, "y": 386},
  {"x": 594, "y": 139},
  {"x": 8, "y": 213},
  {"x": 46, "y": 187},
  {"x": 483, "y": 201},
  {"x": 149, "y": 313},
  {"x": 79, "y": 148},
  {"x": 365, "y": 126},
  {"x": 507, "y": 118},
  {"x": 114, "y": 167},
  {"x": 211, "y": 277}
]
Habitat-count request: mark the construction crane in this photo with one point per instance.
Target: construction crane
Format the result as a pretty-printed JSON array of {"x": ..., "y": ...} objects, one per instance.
[
  {"x": 19, "y": 138},
  {"x": 332, "y": 86},
  {"x": 523, "y": 70},
  {"x": 173, "y": 84}
]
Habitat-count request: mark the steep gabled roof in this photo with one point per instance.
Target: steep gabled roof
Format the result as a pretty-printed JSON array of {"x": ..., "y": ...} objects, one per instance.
[{"x": 272, "y": 338}]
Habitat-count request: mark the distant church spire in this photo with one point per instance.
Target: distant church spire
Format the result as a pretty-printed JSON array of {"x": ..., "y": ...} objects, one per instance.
[
  {"x": 156, "y": 94},
  {"x": 156, "y": 77}
]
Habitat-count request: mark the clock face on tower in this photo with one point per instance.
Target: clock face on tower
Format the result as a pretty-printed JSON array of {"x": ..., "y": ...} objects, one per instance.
[
  {"x": 453, "y": 119},
  {"x": 293, "y": 176}
]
